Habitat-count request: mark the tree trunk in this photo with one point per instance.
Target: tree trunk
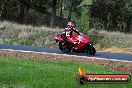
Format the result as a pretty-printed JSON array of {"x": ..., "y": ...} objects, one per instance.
[
  {"x": 27, "y": 9},
  {"x": 53, "y": 17},
  {"x": 128, "y": 28},
  {"x": 22, "y": 11},
  {"x": 61, "y": 15},
  {"x": 70, "y": 10},
  {"x": 3, "y": 12}
]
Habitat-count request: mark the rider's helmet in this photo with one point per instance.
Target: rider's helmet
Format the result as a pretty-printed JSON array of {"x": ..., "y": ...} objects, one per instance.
[{"x": 70, "y": 25}]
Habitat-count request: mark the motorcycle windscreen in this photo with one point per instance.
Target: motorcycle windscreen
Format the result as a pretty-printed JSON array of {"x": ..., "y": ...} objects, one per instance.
[{"x": 84, "y": 38}]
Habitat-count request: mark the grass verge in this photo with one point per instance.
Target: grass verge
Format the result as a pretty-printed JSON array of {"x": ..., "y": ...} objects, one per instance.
[{"x": 36, "y": 73}]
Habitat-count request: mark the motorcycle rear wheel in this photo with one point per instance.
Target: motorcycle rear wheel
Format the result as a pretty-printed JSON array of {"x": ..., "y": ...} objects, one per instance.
[{"x": 63, "y": 48}]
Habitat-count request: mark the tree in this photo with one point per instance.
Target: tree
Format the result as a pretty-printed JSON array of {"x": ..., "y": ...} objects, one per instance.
[
  {"x": 112, "y": 13},
  {"x": 126, "y": 12},
  {"x": 24, "y": 7},
  {"x": 72, "y": 7},
  {"x": 53, "y": 17},
  {"x": 61, "y": 7},
  {"x": 3, "y": 9}
]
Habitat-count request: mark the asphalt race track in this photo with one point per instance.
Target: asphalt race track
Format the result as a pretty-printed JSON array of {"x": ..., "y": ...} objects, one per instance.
[{"x": 127, "y": 57}]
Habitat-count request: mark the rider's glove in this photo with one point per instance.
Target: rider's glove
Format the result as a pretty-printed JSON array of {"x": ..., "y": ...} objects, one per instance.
[{"x": 81, "y": 34}]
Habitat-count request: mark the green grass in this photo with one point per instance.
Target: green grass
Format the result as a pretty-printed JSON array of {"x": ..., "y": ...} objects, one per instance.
[{"x": 35, "y": 73}]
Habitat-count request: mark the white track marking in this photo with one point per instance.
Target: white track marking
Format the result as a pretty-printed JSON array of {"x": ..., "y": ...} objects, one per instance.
[{"x": 66, "y": 55}]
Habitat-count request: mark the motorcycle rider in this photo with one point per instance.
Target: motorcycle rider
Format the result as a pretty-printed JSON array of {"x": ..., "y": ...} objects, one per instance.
[{"x": 69, "y": 32}]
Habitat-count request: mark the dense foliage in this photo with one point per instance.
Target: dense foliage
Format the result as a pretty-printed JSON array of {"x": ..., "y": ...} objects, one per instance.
[{"x": 111, "y": 15}]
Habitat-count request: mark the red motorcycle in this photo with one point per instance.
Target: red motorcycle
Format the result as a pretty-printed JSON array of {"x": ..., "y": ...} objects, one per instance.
[{"x": 82, "y": 45}]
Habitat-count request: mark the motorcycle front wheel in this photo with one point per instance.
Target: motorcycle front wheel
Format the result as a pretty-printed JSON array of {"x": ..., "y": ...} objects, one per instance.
[{"x": 90, "y": 50}]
